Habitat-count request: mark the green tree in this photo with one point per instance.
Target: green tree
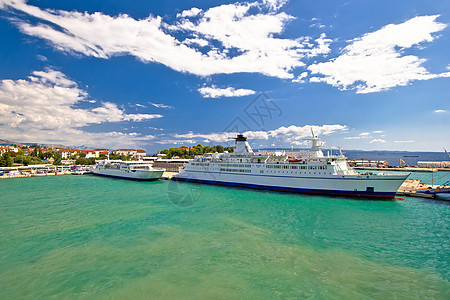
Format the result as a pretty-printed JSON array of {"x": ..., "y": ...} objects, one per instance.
[
  {"x": 57, "y": 158},
  {"x": 85, "y": 161},
  {"x": 165, "y": 151},
  {"x": 194, "y": 151},
  {"x": 199, "y": 147},
  {"x": 219, "y": 148},
  {"x": 6, "y": 160},
  {"x": 31, "y": 160},
  {"x": 229, "y": 149}
]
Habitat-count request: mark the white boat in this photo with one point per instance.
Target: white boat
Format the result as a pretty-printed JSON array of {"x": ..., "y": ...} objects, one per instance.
[
  {"x": 305, "y": 171},
  {"x": 135, "y": 170}
]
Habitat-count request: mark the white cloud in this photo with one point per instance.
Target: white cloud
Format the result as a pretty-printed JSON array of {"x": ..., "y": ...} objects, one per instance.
[
  {"x": 290, "y": 134},
  {"x": 240, "y": 37},
  {"x": 190, "y": 13},
  {"x": 44, "y": 107},
  {"x": 300, "y": 143},
  {"x": 352, "y": 138},
  {"x": 377, "y": 141},
  {"x": 301, "y": 78},
  {"x": 275, "y": 4},
  {"x": 41, "y": 57},
  {"x": 440, "y": 111},
  {"x": 323, "y": 46},
  {"x": 155, "y": 128},
  {"x": 215, "y": 92},
  {"x": 315, "y": 79},
  {"x": 200, "y": 42},
  {"x": 378, "y": 131},
  {"x": 404, "y": 142},
  {"x": 218, "y": 137},
  {"x": 160, "y": 105},
  {"x": 364, "y": 133},
  {"x": 376, "y": 61},
  {"x": 256, "y": 135}
]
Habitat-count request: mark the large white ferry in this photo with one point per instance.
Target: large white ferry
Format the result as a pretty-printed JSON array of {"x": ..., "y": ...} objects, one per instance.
[
  {"x": 135, "y": 170},
  {"x": 305, "y": 171}
]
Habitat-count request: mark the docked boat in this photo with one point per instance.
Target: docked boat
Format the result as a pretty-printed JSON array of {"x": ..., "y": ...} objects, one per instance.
[
  {"x": 134, "y": 170},
  {"x": 305, "y": 171}
]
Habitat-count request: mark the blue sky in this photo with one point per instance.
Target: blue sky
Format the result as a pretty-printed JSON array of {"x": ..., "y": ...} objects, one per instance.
[{"x": 369, "y": 75}]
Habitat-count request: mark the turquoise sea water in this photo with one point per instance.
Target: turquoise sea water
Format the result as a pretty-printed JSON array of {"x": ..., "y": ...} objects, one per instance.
[{"x": 91, "y": 237}]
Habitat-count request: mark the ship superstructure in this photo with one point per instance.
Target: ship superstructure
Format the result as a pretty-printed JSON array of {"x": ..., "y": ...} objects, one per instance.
[{"x": 304, "y": 171}]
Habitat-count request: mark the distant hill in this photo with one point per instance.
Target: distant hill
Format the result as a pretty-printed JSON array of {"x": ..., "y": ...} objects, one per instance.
[{"x": 9, "y": 142}]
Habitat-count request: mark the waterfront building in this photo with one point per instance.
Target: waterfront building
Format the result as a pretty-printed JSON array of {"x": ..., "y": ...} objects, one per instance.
[
  {"x": 67, "y": 153},
  {"x": 134, "y": 153},
  {"x": 140, "y": 153},
  {"x": 99, "y": 152},
  {"x": 433, "y": 164},
  {"x": 90, "y": 154},
  {"x": 3, "y": 150}
]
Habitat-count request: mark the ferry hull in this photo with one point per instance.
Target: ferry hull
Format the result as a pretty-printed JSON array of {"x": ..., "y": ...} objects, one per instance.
[
  {"x": 137, "y": 175},
  {"x": 356, "y": 186}
]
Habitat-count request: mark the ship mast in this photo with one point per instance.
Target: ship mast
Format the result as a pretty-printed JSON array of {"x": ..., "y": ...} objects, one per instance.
[{"x": 316, "y": 145}]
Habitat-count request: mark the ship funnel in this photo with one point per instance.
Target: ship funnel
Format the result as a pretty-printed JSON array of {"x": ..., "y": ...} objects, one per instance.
[{"x": 241, "y": 145}]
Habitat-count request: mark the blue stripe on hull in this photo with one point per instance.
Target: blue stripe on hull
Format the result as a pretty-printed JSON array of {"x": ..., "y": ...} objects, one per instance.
[
  {"x": 127, "y": 178},
  {"x": 291, "y": 189}
]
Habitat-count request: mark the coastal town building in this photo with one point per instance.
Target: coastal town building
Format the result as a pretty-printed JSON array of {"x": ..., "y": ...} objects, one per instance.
[
  {"x": 140, "y": 153},
  {"x": 9, "y": 148},
  {"x": 89, "y": 153},
  {"x": 3, "y": 150},
  {"x": 67, "y": 153},
  {"x": 124, "y": 152},
  {"x": 134, "y": 153},
  {"x": 99, "y": 152}
]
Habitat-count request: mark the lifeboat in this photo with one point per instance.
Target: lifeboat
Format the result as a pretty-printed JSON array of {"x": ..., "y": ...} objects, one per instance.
[{"x": 295, "y": 161}]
